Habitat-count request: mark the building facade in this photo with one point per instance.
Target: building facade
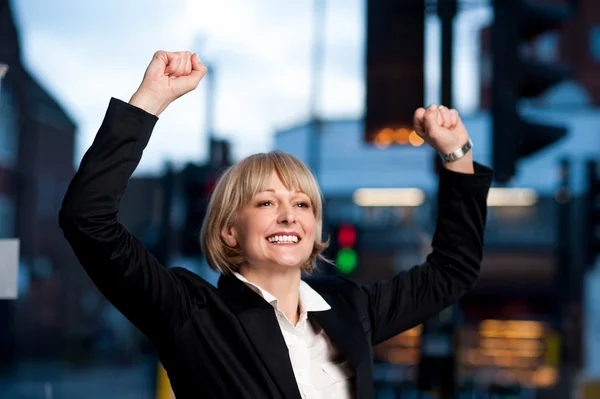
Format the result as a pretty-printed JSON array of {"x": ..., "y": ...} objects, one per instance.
[{"x": 36, "y": 164}]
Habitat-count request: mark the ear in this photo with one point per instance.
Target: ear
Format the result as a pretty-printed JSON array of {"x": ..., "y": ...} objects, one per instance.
[{"x": 229, "y": 236}]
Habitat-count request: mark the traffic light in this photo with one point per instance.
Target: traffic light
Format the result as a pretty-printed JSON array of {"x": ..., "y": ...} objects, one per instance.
[
  {"x": 199, "y": 182},
  {"x": 344, "y": 243},
  {"x": 592, "y": 221},
  {"x": 394, "y": 70},
  {"x": 517, "y": 22}
]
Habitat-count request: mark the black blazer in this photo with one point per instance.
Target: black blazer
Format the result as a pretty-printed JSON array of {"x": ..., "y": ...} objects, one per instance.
[{"x": 225, "y": 342}]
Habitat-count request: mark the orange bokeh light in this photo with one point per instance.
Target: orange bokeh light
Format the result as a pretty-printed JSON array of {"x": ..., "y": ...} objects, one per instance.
[{"x": 414, "y": 139}]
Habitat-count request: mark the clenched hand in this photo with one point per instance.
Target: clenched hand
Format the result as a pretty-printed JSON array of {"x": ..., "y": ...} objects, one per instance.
[{"x": 169, "y": 76}]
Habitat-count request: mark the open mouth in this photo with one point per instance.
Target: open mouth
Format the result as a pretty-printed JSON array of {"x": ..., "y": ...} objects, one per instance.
[{"x": 280, "y": 239}]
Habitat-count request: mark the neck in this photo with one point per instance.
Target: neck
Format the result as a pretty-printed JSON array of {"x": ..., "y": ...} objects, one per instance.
[{"x": 283, "y": 285}]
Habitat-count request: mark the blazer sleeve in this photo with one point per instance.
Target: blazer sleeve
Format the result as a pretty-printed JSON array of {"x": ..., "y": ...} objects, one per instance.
[
  {"x": 449, "y": 271},
  {"x": 151, "y": 296}
]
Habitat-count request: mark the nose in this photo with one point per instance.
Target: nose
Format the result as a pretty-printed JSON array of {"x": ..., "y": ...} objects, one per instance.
[{"x": 286, "y": 214}]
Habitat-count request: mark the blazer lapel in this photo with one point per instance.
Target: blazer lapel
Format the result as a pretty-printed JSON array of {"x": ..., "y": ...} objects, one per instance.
[
  {"x": 258, "y": 319},
  {"x": 347, "y": 334}
]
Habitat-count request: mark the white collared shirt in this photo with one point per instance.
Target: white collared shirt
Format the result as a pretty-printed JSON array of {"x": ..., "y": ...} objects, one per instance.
[{"x": 319, "y": 371}]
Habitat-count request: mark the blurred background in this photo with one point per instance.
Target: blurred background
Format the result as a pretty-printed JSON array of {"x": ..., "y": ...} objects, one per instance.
[{"x": 334, "y": 82}]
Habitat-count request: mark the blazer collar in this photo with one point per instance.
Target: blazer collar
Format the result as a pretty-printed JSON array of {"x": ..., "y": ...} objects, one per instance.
[
  {"x": 346, "y": 332},
  {"x": 258, "y": 319},
  {"x": 310, "y": 300}
]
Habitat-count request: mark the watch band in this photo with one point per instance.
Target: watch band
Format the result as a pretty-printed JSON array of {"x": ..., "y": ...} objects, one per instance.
[{"x": 458, "y": 154}]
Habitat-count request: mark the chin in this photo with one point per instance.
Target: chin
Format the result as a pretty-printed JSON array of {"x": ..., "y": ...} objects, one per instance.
[{"x": 291, "y": 263}]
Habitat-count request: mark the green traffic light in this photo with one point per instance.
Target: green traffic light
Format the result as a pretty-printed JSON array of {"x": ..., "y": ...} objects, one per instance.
[{"x": 346, "y": 260}]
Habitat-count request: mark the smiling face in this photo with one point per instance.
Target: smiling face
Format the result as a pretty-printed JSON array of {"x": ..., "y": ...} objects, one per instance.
[
  {"x": 265, "y": 210},
  {"x": 276, "y": 228}
]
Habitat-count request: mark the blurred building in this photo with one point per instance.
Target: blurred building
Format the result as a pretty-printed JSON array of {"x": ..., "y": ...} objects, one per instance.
[{"x": 36, "y": 165}]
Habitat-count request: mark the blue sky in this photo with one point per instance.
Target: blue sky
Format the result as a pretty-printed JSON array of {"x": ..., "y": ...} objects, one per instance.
[{"x": 85, "y": 52}]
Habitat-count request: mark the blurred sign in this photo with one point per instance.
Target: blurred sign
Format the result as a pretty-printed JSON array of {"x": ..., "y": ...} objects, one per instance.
[
  {"x": 9, "y": 263},
  {"x": 509, "y": 352}
]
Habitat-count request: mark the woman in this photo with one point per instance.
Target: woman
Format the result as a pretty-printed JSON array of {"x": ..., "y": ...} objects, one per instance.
[{"x": 264, "y": 332}]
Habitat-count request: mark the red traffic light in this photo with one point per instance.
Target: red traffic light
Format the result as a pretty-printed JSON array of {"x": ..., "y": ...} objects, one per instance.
[{"x": 346, "y": 236}]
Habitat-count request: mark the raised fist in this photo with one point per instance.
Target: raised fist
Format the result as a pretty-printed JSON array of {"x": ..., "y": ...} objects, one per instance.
[
  {"x": 169, "y": 76},
  {"x": 441, "y": 128}
]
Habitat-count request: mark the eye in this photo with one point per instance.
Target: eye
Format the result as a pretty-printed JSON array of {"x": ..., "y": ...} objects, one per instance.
[
  {"x": 265, "y": 203},
  {"x": 303, "y": 204}
]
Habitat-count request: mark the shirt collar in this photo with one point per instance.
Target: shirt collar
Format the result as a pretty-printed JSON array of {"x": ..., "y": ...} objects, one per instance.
[{"x": 310, "y": 300}]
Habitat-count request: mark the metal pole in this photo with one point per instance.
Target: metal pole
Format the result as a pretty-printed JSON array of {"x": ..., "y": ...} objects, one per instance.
[
  {"x": 209, "y": 81},
  {"x": 210, "y": 104},
  {"x": 447, "y": 11},
  {"x": 563, "y": 273},
  {"x": 314, "y": 145}
]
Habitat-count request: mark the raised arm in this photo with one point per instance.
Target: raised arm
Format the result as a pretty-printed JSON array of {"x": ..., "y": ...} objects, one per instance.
[
  {"x": 152, "y": 297},
  {"x": 452, "y": 268}
]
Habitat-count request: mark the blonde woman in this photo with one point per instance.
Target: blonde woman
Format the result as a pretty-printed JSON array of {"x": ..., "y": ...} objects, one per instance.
[{"x": 264, "y": 332}]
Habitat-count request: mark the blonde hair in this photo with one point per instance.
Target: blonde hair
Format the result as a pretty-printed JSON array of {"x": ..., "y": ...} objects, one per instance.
[{"x": 236, "y": 188}]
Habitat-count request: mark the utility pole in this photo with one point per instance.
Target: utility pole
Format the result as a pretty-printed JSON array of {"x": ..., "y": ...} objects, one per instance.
[
  {"x": 564, "y": 278},
  {"x": 314, "y": 144},
  {"x": 443, "y": 327},
  {"x": 209, "y": 81},
  {"x": 563, "y": 275},
  {"x": 446, "y": 10},
  {"x": 210, "y": 104}
]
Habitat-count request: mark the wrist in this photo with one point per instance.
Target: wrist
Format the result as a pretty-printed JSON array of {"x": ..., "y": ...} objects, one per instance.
[
  {"x": 462, "y": 165},
  {"x": 461, "y": 159},
  {"x": 148, "y": 102},
  {"x": 457, "y": 151}
]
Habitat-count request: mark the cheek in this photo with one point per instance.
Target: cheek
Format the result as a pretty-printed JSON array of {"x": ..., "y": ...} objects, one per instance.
[{"x": 310, "y": 228}]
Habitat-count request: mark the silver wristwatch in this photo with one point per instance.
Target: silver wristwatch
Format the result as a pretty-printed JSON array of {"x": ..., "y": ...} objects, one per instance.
[{"x": 458, "y": 154}]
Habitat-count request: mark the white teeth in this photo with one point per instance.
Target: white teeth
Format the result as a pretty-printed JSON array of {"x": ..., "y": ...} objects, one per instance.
[{"x": 283, "y": 239}]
